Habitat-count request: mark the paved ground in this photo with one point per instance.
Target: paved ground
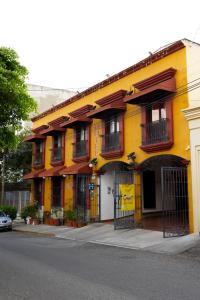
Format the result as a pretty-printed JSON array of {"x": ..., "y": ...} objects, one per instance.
[
  {"x": 39, "y": 267},
  {"x": 99, "y": 233}
]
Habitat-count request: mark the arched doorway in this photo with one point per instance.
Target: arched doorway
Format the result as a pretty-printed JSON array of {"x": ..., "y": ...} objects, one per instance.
[
  {"x": 107, "y": 187},
  {"x": 164, "y": 194}
]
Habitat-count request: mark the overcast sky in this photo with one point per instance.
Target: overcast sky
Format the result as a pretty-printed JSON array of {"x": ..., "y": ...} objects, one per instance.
[{"x": 73, "y": 44}]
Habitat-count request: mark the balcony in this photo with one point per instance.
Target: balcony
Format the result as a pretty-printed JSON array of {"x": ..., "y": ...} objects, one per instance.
[
  {"x": 154, "y": 132},
  {"x": 155, "y": 136},
  {"x": 112, "y": 146},
  {"x": 56, "y": 155}
]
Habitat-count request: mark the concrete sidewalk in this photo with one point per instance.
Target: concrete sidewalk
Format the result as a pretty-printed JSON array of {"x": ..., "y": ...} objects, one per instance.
[{"x": 146, "y": 240}]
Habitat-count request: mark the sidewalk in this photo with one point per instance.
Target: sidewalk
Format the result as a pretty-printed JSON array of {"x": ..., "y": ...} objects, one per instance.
[{"x": 104, "y": 234}]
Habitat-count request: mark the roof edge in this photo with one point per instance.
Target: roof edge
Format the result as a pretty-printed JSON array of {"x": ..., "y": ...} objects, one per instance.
[{"x": 141, "y": 64}]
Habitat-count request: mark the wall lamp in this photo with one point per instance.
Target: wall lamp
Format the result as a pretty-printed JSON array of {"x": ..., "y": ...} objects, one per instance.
[{"x": 93, "y": 162}]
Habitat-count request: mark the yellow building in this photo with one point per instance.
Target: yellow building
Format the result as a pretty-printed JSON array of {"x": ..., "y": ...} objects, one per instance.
[{"x": 120, "y": 149}]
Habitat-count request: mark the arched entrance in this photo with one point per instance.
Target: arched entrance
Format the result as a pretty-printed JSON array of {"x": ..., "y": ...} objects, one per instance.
[
  {"x": 164, "y": 194},
  {"x": 107, "y": 187}
]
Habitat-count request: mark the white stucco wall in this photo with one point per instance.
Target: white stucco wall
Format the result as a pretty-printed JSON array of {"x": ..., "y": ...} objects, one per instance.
[
  {"x": 47, "y": 97},
  {"x": 193, "y": 117},
  {"x": 193, "y": 71}
]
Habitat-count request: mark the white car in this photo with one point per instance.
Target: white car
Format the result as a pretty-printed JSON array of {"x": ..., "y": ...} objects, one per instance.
[{"x": 5, "y": 221}]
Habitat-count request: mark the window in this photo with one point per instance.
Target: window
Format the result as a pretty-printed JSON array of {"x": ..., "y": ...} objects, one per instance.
[
  {"x": 81, "y": 146},
  {"x": 157, "y": 127},
  {"x": 38, "y": 153},
  {"x": 57, "y": 149},
  {"x": 112, "y": 133}
]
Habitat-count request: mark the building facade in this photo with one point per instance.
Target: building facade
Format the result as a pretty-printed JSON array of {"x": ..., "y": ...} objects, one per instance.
[{"x": 120, "y": 149}]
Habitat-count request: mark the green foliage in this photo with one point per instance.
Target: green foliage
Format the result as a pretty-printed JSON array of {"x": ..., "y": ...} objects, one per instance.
[
  {"x": 29, "y": 211},
  {"x": 69, "y": 215},
  {"x": 18, "y": 161},
  {"x": 9, "y": 210},
  {"x": 15, "y": 102}
]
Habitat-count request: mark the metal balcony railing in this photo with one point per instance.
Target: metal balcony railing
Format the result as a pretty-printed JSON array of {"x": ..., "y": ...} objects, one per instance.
[
  {"x": 112, "y": 142},
  {"x": 80, "y": 149},
  {"x": 56, "y": 154},
  {"x": 154, "y": 132},
  {"x": 38, "y": 160}
]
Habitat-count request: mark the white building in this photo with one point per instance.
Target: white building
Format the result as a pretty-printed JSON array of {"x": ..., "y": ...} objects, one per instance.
[{"x": 46, "y": 98}]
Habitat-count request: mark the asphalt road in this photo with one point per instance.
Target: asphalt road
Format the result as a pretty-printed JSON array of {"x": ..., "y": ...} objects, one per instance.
[{"x": 37, "y": 267}]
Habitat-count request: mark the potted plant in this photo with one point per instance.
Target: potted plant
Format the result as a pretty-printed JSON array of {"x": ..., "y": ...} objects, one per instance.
[
  {"x": 69, "y": 217},
  {"x": 46, "y": 217},
  {"x": 56, "y": 216},
  {"x": 31, "y": 212}
]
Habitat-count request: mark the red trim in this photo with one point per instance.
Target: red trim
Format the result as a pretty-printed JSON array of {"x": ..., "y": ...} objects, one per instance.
[
  {"x": 109, "y": 109},
  {"x": 74, "y": 122},
  {"x": 157, "y": 147},
  {"x": 155, "y": 92},
  {"x": 52, "y": 131},
  {"x": 40, "y": 128},
  {"x": 155, "y": 79},
  {"x": 34, "y": 138},
  {"x": 81, "y": 111},
  {"x": 117, "y": 96},
  {"x": 138, "y": 66},
  {"x": 81, "y": 168},
  {"x": 55, "y": 171},
  {"x": 33, "y": 174},
  {"x": 58, "y": 121}
]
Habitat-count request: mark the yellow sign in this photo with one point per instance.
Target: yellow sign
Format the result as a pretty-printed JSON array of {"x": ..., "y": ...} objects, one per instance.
[{"x": 127, "y": 192}]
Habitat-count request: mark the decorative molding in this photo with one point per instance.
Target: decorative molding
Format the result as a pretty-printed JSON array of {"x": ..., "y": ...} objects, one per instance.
[
  {"x": 117, "y": 96},
  {"x": 191, "y": 113},
  {"x": 157, "y": 147},
  {"x": 155, "y": 79},
  {"x": 81, "y": 111},
  {"x": 40, "y": 128},
  {"x": 58, "y": 121}
]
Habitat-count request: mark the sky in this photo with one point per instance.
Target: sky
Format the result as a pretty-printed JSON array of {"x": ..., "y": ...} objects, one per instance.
[{"x": 73, "y": 44}]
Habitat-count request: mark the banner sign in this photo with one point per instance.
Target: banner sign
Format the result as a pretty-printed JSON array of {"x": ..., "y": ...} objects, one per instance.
[{"x": 127, "y": 192}]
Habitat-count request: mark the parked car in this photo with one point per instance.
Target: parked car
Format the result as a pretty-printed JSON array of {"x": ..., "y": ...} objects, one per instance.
[{"x": 5, "y": 221}]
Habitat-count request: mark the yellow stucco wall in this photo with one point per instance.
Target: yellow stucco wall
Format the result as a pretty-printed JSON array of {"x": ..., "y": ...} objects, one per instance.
[{"x": 132, "y": 121}]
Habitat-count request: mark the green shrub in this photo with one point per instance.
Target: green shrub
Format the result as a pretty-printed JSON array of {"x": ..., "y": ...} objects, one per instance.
[
  {"x": 9, "y": 210},
  {"x": 69, "y": 215},
  {"x": 29, "y": 211}
]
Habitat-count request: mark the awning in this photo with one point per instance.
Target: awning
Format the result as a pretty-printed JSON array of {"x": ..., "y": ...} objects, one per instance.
[
  {"x": 34, "y": 138},
  {"x": 154, "y": 93},
  {"x": 52, "y": 172},
  {"x": 74, "y": 122},
  {"x": 33, "y": 174},
  {"x": 52, "y": 131},
  {"x": 107, "y": 110},
  {"x": 82, "y": 168}
]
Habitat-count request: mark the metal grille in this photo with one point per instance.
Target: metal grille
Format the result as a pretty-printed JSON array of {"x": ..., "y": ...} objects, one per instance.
[
  {"x": 154, "y": 132},
  {"x": 81, "y": 148},
  {"x": 112, "y": 142},
  {"x": 174, "y": 201},
  {"x": 122, "y": 218}
]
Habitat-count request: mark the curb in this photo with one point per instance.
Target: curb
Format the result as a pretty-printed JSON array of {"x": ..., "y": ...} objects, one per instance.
[{"x": 35, "y": 232}]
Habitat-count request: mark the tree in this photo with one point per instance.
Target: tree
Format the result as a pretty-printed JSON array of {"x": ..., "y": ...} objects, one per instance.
[{"x": 15, "y": 102}]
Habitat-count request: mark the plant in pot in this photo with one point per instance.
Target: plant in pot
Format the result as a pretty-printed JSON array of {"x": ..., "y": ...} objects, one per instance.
[
  {"x": 30, "y": 211},
  {"x": 56, "y": 216},
  {"x": 69, "y": 217},
  {"x": 46, "y": 217}
]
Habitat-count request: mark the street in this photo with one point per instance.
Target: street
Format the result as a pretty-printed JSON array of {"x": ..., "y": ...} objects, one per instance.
[{"x": 37, "y": 267}]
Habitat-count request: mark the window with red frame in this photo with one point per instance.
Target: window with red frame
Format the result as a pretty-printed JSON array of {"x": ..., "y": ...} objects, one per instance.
[
  {"x": 81, "y": 141},
  {"x": 38, "y": 160},
  {"x": 57, "y": 148},
  {"x": 112, "y": 134},
  {"x": 38, "y": 186}
]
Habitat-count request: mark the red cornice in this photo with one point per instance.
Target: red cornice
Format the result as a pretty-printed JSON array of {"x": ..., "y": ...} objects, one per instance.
[
  {"x": 105, "y": 111},
  {"x": 142, "y": 64},
  {"x": 58, "y": 121},
  {"x": 74, "y": 122},
  {"x": 117, "y": 96},
  {"x": 157, "y": 147},
  {"x": 81, "y": 111},
  {"x": 158, "y": 78},
  {"x": 40, "y": 128}
]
